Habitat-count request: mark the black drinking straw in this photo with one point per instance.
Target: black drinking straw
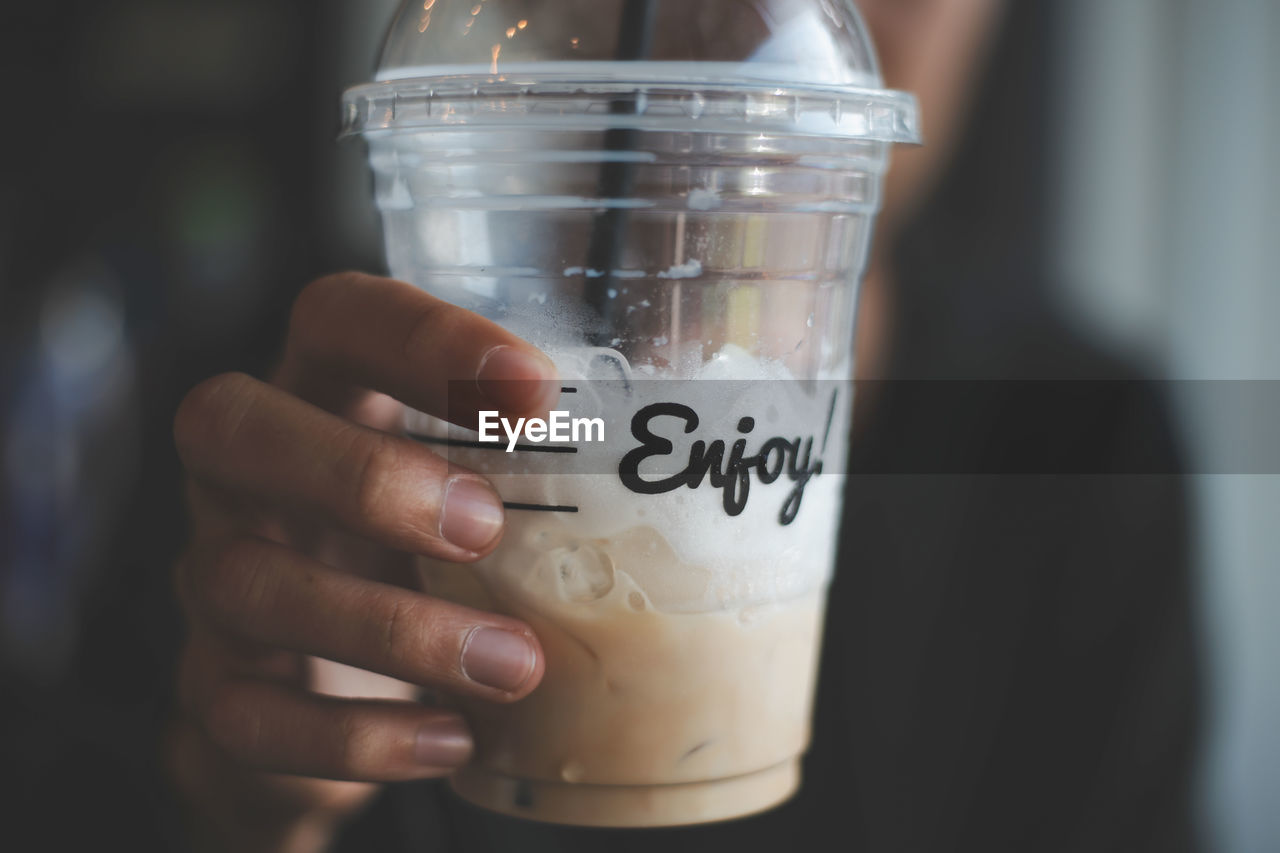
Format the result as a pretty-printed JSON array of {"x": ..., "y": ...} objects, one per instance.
[{"x": 617, "y": 180}]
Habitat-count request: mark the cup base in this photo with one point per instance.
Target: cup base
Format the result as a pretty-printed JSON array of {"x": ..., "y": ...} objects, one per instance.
[{"x": 629, "y": 805}]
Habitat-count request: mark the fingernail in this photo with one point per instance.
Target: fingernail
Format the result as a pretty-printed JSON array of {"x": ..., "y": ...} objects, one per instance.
[
  {"x": 443, "y": 743},
  {"x": 472, "y": 515},
  {"x": 497, "y": 658},
  {"x": 517, "y": 380}
]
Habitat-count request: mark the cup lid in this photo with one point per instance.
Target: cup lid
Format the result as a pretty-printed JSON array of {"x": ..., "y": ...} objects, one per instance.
[{"x": 798, "y": 66}]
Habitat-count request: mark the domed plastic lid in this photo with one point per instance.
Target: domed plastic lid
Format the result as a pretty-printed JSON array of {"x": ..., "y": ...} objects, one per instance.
[{"x": 801, "y": 66}]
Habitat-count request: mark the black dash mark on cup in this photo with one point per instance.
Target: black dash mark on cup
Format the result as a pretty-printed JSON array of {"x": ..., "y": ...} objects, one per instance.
[
  {"x": 831, "y": 416},
  {"x": 568, "y": 390},
  {"x": 539, "y": 508},
  {"x": 695, "y": 750},
  {"x": 489, "y": 445}
]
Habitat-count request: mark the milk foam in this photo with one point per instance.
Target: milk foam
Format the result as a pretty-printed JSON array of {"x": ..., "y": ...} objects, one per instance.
[{"x": 712, "y": 560}]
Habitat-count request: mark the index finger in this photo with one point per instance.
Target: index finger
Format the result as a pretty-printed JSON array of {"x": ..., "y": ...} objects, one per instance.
[{"x": 366, "y": 332}]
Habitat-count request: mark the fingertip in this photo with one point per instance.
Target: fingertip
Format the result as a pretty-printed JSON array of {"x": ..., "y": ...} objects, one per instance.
[
  {"x": 501, "y": 659},
  {"x": 518, "y": 380},
  {"x": 472, "y": 515},
  {"x": 539, "y": 668},
  {"x": 443, "y": 744}
]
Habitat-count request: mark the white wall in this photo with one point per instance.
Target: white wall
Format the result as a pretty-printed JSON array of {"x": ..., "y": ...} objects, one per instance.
[{"x": 1170, "y": 238}]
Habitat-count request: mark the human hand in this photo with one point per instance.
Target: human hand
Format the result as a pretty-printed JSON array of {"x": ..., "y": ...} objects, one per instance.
[{"x": 305, "y": 644}]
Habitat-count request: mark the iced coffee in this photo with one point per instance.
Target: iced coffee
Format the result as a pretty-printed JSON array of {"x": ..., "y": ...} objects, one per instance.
[
  {"x": 677, "y": 590},
  {"x": 674, "y": 201}
]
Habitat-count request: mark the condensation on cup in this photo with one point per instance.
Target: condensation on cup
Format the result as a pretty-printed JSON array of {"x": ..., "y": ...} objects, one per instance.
[{"x": 675, "y": 201}]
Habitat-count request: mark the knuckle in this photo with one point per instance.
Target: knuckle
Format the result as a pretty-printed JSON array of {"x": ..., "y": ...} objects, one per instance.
[
  {"x": 234, "y": 579},
  {"x": 377, "y": 462},
  {"x": 380, "y": 468},
  {"x": 314, "y": 308},
  {"x": 401, "y": 632},
  {"x": 233, "y": 723},
  {"x": 210, "y": 414},
  {"x": 432, "y": 321},
  {"x": 312, "y": 304},
  {"x": 358, "y": 744}
]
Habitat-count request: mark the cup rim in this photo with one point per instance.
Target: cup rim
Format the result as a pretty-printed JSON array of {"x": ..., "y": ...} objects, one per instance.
[{"x": 583, "y": 102}]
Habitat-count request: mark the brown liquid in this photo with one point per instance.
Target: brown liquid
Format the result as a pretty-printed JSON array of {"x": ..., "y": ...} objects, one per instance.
[{"x": 646, "y": 716}]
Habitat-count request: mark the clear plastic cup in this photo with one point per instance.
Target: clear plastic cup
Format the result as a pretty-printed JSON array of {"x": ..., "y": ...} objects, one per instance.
[{"x": 675, "y": 200}]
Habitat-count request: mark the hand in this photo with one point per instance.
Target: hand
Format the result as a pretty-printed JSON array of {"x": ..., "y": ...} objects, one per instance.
[{"x": 305, "y": 643}]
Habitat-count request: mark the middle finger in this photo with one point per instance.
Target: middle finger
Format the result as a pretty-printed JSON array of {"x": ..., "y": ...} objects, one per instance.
[{"x": 239, "y": 434}]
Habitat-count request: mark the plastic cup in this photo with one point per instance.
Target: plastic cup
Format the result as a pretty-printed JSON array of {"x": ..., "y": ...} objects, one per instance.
[{"x": 675, "y": 201}]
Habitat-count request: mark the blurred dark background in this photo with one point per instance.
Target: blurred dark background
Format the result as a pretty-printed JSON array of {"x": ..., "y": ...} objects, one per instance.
[{"x": 171, "y": 179}]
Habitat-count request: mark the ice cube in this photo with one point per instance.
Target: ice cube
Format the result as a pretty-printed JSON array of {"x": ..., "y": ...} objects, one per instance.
[{"x": 583, "y": 572}]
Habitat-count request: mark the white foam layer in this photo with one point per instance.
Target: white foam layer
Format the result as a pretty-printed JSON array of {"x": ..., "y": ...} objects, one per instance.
[{"x": 696, "y": 555}]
